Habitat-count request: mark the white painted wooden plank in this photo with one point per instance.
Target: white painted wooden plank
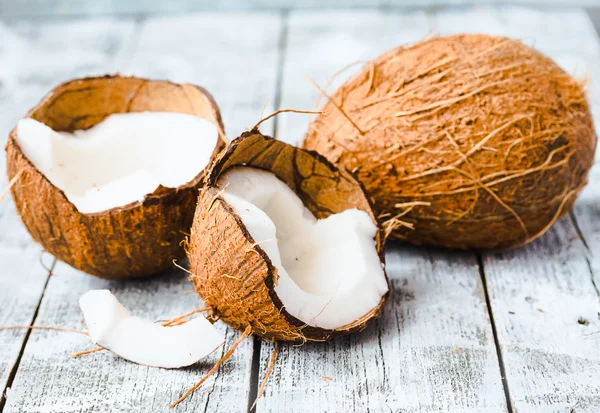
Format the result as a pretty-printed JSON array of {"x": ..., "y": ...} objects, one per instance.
[
  {"x": 32, "y": 63},
  {"x": 81, "y": 7},
  {"x": 208, "y": 50},
  {"x": 22, "y": 281},
  {"x": 433, "y": 349},
  {"x": 544, "y": 302},
  {"x": 540, "y": 295},
  {"x": 587, "y": 215},
  {"x": 233, "y": 55}
]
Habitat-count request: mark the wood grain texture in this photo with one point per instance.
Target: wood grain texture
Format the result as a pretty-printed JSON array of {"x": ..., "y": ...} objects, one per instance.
[
  {"x": 21, "y": 285},
  {"x": 546, "y": 311},
  {"x": 233, "y": 55},
  {"x": 25, "y": 47},
  {"x": 432, "y": 349},
  {"x": 47, "y": 380},
  {"x": 545, "y": 304},
  {"x": 81, "y": 7},
  {"x": 587, "y": 219}
]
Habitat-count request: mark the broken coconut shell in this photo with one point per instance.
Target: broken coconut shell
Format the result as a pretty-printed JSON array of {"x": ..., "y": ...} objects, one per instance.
[
  {"x": 232, "y": 273},
  {"x": 130, "y": 241},
  {"x": 468, "y": 141}
]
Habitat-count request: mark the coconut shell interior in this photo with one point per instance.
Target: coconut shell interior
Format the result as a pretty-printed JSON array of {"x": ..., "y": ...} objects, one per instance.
[
  {"x": 80, "y": 104},
  {"x": 232, "y": 273},
  {"x": 133, "y": 240},
  {"x": 468, "y": 141}
]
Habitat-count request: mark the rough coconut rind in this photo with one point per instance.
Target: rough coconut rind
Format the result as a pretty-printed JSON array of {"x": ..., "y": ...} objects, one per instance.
[
  {"x": 233, "y": 274},
  {"x": 135, "y": 240},
  {"x": 475, "y": 141}
]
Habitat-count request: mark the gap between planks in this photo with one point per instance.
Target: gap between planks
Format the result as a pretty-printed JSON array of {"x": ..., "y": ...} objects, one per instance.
[
  {"x": 488, "y": 305},
  {"x": 587, "y": 249},
  {"x": 15, "y": 368}
]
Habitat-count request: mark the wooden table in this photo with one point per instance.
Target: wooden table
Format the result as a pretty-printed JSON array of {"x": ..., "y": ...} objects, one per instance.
[{"x": 463, "y": 332}]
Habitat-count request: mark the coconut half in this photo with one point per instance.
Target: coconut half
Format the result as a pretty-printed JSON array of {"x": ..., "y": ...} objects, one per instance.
[
  {"x": 286, "y": 243},
  {"x": 112, "y": 326},
  {"x": 111, "y": 167}
]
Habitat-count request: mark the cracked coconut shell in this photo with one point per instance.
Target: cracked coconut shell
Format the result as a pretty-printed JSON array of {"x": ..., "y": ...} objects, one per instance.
[
  {"x": 232, "y": 273},
  {"x": 130, "y": 241},
  {"x": 468, "y": 141}
]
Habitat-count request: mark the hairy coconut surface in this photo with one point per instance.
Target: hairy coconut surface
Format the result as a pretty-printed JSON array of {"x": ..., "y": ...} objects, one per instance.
[
  {"x": 232, "y": 272},
  {"x": 474, "y": 141},
  {"x": 134, "y": 240}
]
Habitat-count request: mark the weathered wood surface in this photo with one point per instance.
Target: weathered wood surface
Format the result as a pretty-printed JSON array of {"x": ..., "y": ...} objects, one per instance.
[
  {"x": 87, "y": 8},
  {"x": 433, "y": 349},
  {"x": 245, "y": 47},
  {"x": 34, "y": 57},
  {"x": 233, "y": 55},
  {"x": 545, "y": 304},
  {"x": 21, "y": 285}
]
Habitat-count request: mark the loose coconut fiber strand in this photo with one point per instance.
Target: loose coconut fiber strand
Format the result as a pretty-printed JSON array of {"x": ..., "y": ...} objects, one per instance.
[
  {"x": 10, "y": 184},
  {"x": 478, "y": 135},
  {"x": 222, "y": 360},
  {"x": 270, "y": 368}
]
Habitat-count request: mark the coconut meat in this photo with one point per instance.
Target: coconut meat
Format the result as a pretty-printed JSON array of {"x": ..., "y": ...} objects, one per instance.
[
  {"x": 329, "y": 271},
  {"x": 111, "y": 326},
  {"x": 121, "y": 159}
]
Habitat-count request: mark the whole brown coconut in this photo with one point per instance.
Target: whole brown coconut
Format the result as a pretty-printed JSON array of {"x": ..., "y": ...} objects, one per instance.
[
  {"x": 472, "y": 140},
  {"x": 231, "y": 272},
  {"x": 131, "y": 241}
]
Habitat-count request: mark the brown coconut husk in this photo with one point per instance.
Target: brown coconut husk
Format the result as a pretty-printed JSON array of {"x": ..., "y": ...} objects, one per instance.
[
  {"x": 231, "y": 272},
  {"x": 134, "y": 240},
  {"x": 484, "y": 139}
]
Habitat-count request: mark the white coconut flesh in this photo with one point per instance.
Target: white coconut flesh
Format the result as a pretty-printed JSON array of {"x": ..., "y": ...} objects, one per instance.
[
  {"x": 121, "y": 159},
  {"x": 141, "y": 341},
  {"x": 330, "y": 274}
]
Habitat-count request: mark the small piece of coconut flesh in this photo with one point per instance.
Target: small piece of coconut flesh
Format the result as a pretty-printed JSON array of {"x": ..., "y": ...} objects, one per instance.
[
  {"x": 330, "y": 274},
  {"x": 121, "y": 159},
  {"x": 141, "y": 341}
]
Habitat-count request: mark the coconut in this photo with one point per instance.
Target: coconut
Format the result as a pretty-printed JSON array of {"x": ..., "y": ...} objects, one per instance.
[
  {"x": 142, "y": 341},
  {"x": 100, "y": 193},
  {"x": 287, "y": 244},
  {"x": 467, "y": 141}
]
